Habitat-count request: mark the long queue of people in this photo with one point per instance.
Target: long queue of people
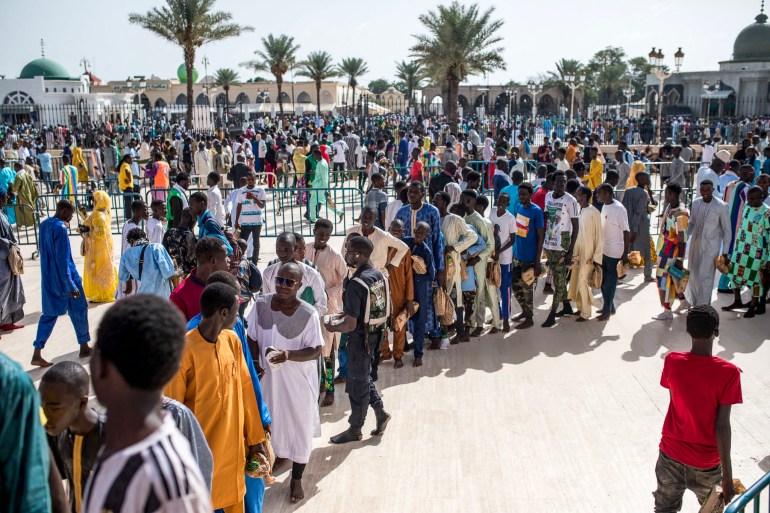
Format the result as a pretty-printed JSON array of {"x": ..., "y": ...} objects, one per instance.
[{"x": 444, "y": 271}]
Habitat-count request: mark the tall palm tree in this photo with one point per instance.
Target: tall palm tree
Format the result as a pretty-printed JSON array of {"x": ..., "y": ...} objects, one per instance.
[
  {"x": 353, "y": 68},
  {"x": 461, "y": 41},
  {"x": 558, "y": 78},
  {"x": 225, "y": 78},
  {"x": 318, "y": 67},
  {"x": 411, "y": 74},
  {"x": 278, "y": 55},
  {"x": 190, "y": 24}
]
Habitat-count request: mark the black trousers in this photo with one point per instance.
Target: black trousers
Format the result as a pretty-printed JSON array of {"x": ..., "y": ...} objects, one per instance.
[
  {"x": 254, "y": 231},
  {"x": 360, "y": 386}
]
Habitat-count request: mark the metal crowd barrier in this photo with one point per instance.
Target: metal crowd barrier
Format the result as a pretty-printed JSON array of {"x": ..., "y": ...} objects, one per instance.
[
  {"x": 120, "y": 208},
  {"x": 25, "y": 227},
  {"x": 752, "y": 495}
]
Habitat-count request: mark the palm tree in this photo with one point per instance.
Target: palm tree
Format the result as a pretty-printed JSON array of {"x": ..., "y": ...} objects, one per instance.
[
  {"x": 558, "y": 78},
  {"x": 353, "y": 68},
  {"x": 460, "y": 42},
  {"x": 224, "y": 78},
  {"x": 412, "y": 75},
  {"x": 190, "y": 24},
  {"x": 278, "y": 55},
  {"x": 318, "y": 67}
]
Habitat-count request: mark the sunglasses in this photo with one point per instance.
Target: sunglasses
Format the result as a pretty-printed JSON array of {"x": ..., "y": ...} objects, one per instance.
[{"x": 284, "y": 282}]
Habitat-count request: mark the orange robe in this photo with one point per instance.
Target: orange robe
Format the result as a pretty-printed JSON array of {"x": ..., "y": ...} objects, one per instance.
[{"x": 214, "y": 382}]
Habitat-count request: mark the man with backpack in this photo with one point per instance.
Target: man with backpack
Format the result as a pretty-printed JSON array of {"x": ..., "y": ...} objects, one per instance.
[
  {"x": 149, "y": 264},
  {"x": 365, "y": 310}
]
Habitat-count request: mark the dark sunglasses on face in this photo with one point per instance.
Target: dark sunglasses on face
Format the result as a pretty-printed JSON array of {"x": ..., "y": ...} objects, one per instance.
[{"x": 284, "y": 282}]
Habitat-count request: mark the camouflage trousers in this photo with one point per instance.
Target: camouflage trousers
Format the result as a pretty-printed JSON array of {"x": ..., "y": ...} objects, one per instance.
[
  {"x": 521, "y": 291},
  {"x": 559, "y": 271}
]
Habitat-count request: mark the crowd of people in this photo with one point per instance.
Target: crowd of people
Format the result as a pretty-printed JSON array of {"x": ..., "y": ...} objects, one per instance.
[{"x": 239, "y": 354}]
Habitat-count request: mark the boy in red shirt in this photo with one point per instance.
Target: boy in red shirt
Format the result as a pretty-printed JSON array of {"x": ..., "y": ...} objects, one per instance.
[{"x": 695, "y": 447}]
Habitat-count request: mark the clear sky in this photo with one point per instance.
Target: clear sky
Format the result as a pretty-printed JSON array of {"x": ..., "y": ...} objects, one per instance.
[{"x": 536, "y": 34}]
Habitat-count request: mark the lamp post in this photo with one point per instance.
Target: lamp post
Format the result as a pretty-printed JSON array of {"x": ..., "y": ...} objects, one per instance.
[
  {"x": 628, "y": 92},
  {"x": 535, "y": 88},
  {"x": 574, "y": 82},
  {"x": 509, "y": 95},
  {"x": 656, "y": 60},
  {"x": 710, "y": 89}
]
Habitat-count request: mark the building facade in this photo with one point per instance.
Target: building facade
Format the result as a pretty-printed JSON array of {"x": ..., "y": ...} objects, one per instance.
[{"x": 739, "y": 88}]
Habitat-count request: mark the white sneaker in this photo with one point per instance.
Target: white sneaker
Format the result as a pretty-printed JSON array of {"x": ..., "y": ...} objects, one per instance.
[
  {"x": 444, "y": 343},
  {"x": 665, "y": 315}
]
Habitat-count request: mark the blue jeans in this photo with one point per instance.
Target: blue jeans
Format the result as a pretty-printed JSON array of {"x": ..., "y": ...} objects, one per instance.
[
  {"x": 609, "y": 283},
  {"x": 506, "y": 275}
]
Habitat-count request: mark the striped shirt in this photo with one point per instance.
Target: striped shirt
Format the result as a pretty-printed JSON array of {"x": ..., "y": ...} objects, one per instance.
[{"x": 157, "y": 474}]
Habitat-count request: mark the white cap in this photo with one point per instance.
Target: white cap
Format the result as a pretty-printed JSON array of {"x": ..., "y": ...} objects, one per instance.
[{"x": 723, "y": 155}]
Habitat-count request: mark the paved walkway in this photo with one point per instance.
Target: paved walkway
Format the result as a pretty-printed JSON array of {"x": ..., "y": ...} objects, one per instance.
[{"x": 560, "y": 419}]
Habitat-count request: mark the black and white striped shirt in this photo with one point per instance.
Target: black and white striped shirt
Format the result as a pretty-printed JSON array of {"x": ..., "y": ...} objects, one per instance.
[{"x": 158, "y": 474}]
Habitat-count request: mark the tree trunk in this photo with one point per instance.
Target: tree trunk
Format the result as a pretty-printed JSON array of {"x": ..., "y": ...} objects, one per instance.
[
  {"x": 227, "y": 104},
  {"x": 189, "y": 61},
  {"x": 355, "y": 109},
  {"x": 451, "y": 108},
  {"x": 409, "y": 93},
  {"x": 318, "y": 97},
  {"x": 279, "y": 83}
]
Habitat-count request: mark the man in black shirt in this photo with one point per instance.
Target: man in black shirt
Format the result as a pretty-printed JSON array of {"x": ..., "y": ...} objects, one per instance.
[
  {"x": 239, "y": 170},
  {"x": 438, "y": 182},
  {"x": 365, "y": 336}
]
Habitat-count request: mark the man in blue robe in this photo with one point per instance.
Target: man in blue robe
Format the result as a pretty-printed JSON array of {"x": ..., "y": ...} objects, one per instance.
[
  {"x": 60, "y": 283},
  {"x": 415, "y": 212}
]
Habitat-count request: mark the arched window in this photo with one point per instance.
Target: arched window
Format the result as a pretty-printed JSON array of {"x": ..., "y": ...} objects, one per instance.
[
  {"x": 181, "y": 99},
  {"x": 221, "y": 99},
  {"x": 242, "y": 98},
  {"x": 160, "y": 103},
  {"x": 285, "y": 98},
  {"x": 18, "y": 98},
  {"x": 202, "y": 99},
  {"x": 304, "y": 98}
]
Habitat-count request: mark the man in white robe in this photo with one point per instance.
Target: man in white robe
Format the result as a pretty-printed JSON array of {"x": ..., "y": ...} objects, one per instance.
[
  {"x": 312, "y": 289},
  {"x": 710, "y": 233}
]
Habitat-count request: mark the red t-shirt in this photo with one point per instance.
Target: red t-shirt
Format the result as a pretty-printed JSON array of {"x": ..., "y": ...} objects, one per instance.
[
  {"x": 187, "y": 296},
  {"x": 538, "y": 198},
  {"x": 416, "y": 172},
  {"x": 698, "y": 385}
]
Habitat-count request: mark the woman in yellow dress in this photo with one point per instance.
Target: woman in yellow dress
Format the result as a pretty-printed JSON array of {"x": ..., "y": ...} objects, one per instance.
[{"x": 100, "y": 278}]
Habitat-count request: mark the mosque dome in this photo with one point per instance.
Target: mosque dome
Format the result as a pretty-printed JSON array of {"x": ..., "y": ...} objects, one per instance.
[
  {"x": 45, "y": 68},
  {"x": 753, "y": 42},
  {"x": 181, "y": 74}
]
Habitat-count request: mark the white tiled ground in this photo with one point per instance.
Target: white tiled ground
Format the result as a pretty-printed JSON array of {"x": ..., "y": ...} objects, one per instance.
[{"x": 564, "y": 419}]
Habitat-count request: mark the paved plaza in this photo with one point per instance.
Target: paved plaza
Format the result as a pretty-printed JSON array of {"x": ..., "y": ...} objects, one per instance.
[{"x": 560, "y": 419}]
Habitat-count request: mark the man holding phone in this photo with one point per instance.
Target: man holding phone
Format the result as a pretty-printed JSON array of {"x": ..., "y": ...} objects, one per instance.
[{"x": 248, "y": 214}]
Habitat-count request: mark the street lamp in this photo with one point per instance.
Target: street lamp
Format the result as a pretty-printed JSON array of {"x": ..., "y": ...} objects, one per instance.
[
  {"x": 573, "y": 82},
  {"x": 710, "y": 89},
  {"x": 656, "y": 60},
  {"x": 509, "y": 94},
  {"x": 628, "y": 92},
  {"x": 534, "y": 88}
]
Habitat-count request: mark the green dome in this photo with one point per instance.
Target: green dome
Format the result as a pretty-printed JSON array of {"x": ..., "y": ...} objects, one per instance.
[
  {"x": 181, "y": 73},
  {"x": 45, "y": 68},
  {"x": 753, "y": 42}
]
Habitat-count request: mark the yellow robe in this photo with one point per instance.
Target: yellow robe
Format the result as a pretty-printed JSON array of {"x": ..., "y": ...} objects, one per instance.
[
  {"x": 79, "y": 162},
  {"x": 595, "y": 174},
  {"x": 214, "y": 382},
  {"x": 100, "y": 278}
]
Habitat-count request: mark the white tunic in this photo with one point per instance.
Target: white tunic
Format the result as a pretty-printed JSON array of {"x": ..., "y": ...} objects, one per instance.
[{"x": 291, "y": 390}]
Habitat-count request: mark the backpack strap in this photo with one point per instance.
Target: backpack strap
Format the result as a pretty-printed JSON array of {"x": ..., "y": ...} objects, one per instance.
[{"x": 141, "y": 261}]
